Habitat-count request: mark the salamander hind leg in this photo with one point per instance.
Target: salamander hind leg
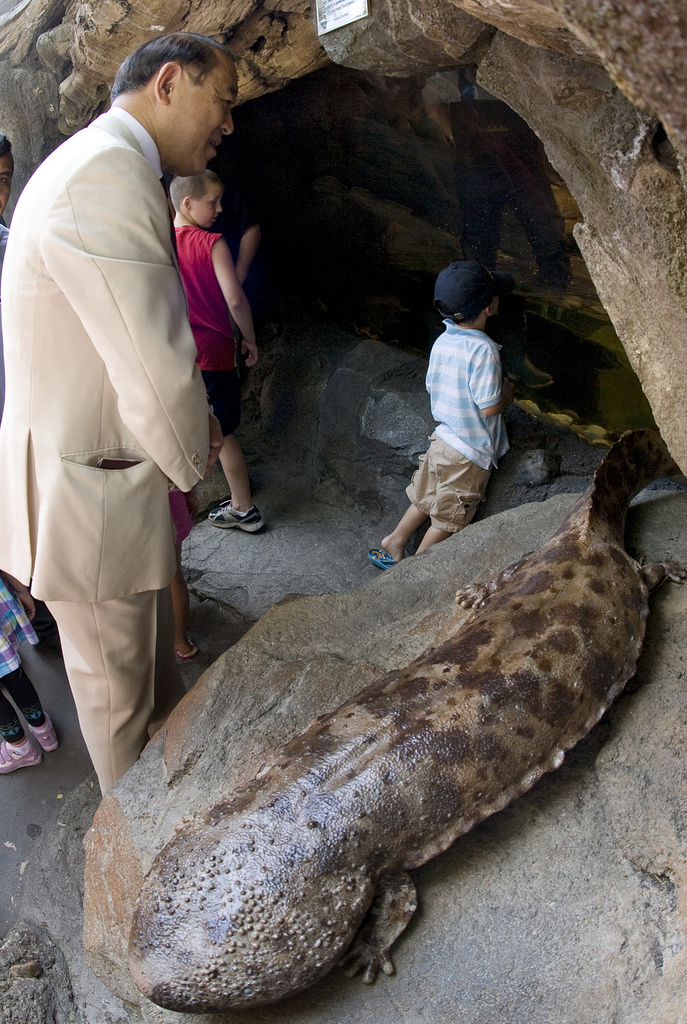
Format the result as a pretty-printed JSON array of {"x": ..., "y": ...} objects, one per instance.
[
  {"x": 473, "y": 596},
  {"x": 476, "y": 594},
  {"x": 394, "y": 904},
  {"x": 656, "y": 573}
]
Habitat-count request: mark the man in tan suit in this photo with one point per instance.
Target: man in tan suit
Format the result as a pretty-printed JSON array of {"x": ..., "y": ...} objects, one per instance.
[{"x": 105, "y": 405}]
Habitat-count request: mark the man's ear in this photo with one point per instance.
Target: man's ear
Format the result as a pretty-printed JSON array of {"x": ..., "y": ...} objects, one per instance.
[{"x": 165, "y": 81}]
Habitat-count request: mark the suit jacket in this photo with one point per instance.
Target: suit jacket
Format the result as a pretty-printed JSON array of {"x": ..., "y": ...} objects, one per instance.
[
  {"x": 100, "y": 363},
  {"x": 3, "y": 244}
]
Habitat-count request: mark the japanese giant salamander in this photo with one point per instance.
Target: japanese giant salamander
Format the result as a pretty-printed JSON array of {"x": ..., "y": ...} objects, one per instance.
[{"x": 263, "y": 894}]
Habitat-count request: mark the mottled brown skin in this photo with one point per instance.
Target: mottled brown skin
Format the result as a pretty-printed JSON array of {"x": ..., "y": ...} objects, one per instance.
[{"x": 264, "y": 894}]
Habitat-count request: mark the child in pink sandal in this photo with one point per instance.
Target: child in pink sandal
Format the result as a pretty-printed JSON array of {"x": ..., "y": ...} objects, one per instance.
[
  {"x": 182, "y": 507},
  {"x": 17, "y": 750}
]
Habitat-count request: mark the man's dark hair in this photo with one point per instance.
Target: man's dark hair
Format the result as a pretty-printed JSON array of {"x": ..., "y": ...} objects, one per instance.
[
  {"x": 197, "y": 54},
  {"x": 6, "y": 147}
]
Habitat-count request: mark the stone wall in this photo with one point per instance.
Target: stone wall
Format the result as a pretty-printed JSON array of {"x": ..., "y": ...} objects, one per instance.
[{"x": 634, "y": 232}]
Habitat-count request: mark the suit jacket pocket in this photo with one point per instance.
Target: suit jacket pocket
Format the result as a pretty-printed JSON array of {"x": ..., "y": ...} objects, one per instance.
[
  {"x": 118, "y": 458},
  {"x": 105, "y": 533}
]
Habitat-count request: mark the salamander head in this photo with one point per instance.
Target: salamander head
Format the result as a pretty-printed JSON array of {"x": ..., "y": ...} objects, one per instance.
[{"x": 224, "y": 921}]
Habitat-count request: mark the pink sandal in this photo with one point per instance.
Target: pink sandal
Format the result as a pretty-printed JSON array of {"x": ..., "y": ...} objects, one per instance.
[{"x": 191, "y": 654}]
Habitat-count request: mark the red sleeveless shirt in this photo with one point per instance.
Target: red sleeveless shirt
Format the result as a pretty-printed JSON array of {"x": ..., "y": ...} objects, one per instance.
[{"x": 207, "y": 308}]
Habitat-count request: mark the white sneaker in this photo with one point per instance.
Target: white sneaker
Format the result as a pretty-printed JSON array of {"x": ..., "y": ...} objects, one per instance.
[
  {"x": 19, "y": 755},
  {"x": 225, "y": 516}
]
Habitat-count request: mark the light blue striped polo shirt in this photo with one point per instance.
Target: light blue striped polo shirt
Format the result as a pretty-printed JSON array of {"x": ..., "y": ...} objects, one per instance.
[{"x": 464, "y": 377}]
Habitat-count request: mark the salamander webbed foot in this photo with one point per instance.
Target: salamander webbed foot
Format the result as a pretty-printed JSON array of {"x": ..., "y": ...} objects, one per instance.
[{"x": 394, "y": 904}]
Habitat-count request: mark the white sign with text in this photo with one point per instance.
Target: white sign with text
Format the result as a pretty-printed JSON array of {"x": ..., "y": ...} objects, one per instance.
[{"x": 333, "y": 14}]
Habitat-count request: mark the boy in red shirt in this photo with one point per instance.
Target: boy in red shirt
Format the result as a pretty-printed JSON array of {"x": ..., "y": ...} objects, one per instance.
[{"x": 213, "y": 291}]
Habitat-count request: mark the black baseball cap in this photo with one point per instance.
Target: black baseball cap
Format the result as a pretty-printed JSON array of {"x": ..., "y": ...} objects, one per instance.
[{"x": 465, "y": 288}]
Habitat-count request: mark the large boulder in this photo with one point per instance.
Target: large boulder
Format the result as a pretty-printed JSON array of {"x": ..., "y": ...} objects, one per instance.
[
  {"x": 29, "y": 109},
  {"x": 79, "y": 47},
  {"x": 640, "y": 43},
  {"x": 569, "y": 904},
  {"x": 374, "y": 421},
  {"x": 406, "y": 37}
]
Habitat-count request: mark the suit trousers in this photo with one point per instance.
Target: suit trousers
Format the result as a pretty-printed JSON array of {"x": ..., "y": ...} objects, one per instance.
[{"x": 119, "y": 657}]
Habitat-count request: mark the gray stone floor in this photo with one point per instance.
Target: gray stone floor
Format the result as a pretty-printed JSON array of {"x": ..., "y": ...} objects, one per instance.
[
  {"x": 32, "y": 798},
  {"x": 313, "y": 542}
]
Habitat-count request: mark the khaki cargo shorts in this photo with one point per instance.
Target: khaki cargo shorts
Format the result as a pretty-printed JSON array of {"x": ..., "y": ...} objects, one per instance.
[{"x": 447, "y": 486}]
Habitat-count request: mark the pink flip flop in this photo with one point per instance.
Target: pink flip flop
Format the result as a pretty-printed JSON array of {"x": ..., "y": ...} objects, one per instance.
[{"x": 191, "y": 654}]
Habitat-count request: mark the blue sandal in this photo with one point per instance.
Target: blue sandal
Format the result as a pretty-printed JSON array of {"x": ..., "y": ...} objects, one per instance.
[{"x": 380, "y": 558}]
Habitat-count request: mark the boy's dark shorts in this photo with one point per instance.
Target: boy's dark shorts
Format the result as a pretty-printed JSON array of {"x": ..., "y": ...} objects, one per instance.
[
  {"x": 224, "y": 393},
  {"x": 447, "y": 486}
]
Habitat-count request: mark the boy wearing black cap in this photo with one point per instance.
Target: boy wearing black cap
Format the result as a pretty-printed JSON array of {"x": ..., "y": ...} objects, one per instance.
[{"x": 468, "y": 397}]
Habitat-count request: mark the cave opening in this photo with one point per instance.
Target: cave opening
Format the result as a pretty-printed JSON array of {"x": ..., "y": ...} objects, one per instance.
[{"x": 365, "y": 186}]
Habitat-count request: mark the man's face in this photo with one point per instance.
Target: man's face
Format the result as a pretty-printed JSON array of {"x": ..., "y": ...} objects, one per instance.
[
  {"x": 6, "y": 168},
  {"x": 201, "y": 115}
]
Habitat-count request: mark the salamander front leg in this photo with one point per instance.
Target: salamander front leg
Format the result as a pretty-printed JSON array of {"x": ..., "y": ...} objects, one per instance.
[{"x": 394, "y": 904}]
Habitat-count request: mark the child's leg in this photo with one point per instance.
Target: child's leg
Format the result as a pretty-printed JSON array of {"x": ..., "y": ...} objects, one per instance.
[
  {"x": 181, "y": 604},
  {"x": 23, "y": 693},
  {"x": 395, "y": 543},
  {"x": 16, "y": 749},
  {"x": 234, "y": 466},
  {"x": 421, "y": 483},
  {"x": 224, "y": 393},
  {"x": 10, "y": 727},
  {"x": 433, "y": 536}
]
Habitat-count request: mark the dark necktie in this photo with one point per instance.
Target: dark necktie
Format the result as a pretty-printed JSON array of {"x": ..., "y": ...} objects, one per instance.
[{"x": 170, "y": 207}]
